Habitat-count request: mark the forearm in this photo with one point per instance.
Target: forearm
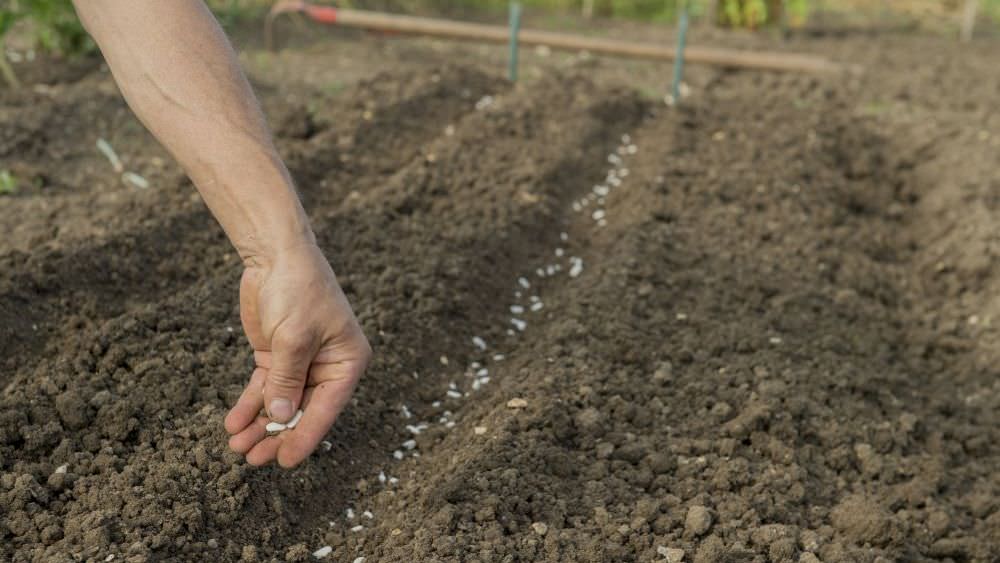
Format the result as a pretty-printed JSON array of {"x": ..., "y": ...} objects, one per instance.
[{"x": 181, "y": 78}]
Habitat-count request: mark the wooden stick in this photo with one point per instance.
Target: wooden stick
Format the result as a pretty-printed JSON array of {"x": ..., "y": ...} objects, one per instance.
[
  {"x": 730, "y": 58},
  {"x": 969, "y": 19}
]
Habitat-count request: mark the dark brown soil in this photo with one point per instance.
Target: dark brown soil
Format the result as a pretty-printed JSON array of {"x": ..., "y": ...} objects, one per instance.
[{"x": 781, "y": 345}]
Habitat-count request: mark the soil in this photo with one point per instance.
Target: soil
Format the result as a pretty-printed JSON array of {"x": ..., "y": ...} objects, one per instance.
[{"x": 781, "y": 345}]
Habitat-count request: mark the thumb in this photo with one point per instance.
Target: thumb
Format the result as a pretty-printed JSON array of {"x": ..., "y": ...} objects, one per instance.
[{"x": 292, "y": 353}]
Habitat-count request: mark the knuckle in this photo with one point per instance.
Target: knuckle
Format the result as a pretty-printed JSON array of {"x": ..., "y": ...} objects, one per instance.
[
  {"x": 293, "y": 340},
  {"x": 285, "y": 379}
]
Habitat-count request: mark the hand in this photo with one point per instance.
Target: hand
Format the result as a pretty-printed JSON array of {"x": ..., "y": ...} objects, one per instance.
[{"x": 309, "y": 353}]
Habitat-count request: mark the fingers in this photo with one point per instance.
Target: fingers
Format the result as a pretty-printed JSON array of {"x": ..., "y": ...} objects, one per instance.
[
  {"x": 246, "y": 439},
  {"x": 264, "y": 452},
  {"x": 248, "y": 406},
  {"x": 292, "y": 352},
  {"x": 325, "y": 404}
]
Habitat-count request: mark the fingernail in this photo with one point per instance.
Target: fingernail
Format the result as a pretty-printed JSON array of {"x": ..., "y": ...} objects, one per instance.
[{"x": 280, "y": 410}]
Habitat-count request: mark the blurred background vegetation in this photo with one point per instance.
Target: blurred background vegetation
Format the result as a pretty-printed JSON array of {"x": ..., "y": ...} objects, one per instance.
[{"x": 51, "y": 26}]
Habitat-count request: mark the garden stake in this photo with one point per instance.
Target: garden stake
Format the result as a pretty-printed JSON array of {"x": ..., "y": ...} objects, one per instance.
[
  {"x": 729, "y": 58},
  {"x": 682, "y": 26},
  {"x": 515, "y": 28}
]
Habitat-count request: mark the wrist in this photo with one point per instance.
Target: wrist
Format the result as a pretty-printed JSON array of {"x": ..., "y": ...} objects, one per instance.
[{"x": 263, "y": 250}]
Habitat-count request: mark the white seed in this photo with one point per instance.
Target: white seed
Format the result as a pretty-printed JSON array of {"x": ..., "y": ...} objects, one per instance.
[
  {"x": 524, "y": 283},
  {"x": 410, "y": 444},
  {"x": 510, "y": 332},
  {"x": 62, "y": 469},
  {"x": 482, "y": 373},
  {"x": 632, "y": 149},
  {"x": 550, "y": 270},
  {"x": 775, "y": 340},
  {"x": 359, "y": 560},
  {"x": 479, "y": 342},
  {"x": 560, "y": 252},
  {"x": 110, "y": 154},
  {"x": 397, "y": 454},
  {"x": 450, "y": 424},
  {"x": 349, "y": 514},
  {"x": 563, "y": 236},
  {"x": 537, "y": 306},
  {"x": 601, "y": 190},
  {"x": 275, "y": 427},
  {"x": 368, "y": 514},
  {"x": 135, "y": 179},
  {"x": 626, "y": 139},
  {"x": 406, "y": 411},
  {"x": 576, "y": 206},
  {"x": 381, "y": 477},
  {"x": 474, "y": 365},
  {"x": 517, "y": 295},
  {"x": 598, "y": 215},
  {"x": 444, "y": 360},
  {"x": 576, "y": 269},
  {"x": 295, "y": 419},
  {"x": 518, "y": 324},
  {"x": 326, "y": 445},
  {"x": 540, "y": 272},
  {"x": 479, "y": 430},
  {"x": 454, "y": 394},
  {"x": 357, "y": 528},
  {"x": 413, "y": 429},
  {"x": 436, "y": 404},
  {"x": 535, "y": 299},
  {"x": 517, "y": 403},
  {"x": 393, "y": 480},
  {"x": 498, "y": 357}
]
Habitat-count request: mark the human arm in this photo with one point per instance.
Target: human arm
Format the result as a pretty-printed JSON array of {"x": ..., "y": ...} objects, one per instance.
[{"x": 178, "y": 73}]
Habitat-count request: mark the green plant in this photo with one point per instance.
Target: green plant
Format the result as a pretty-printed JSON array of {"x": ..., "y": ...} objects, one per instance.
[
  {"x": 8, "y": 183},
  {"x": 50, "y": 25}
]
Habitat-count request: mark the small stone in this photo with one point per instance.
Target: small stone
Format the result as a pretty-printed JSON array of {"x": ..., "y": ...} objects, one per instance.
[
  {"x": 517, "y": 403},
  {"x": 540, "y": 528},
  {"x": 664, "y": 372},
  {"x": 671, "y": 554},
  {"x": 698, "y": 521}
]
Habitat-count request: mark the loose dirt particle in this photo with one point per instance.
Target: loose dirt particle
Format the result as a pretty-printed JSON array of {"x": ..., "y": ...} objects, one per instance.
[
  {"x": 540, "y": 528},
  {"x": 671, "y": 554},
  {"x": 697, "y": 522}
]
